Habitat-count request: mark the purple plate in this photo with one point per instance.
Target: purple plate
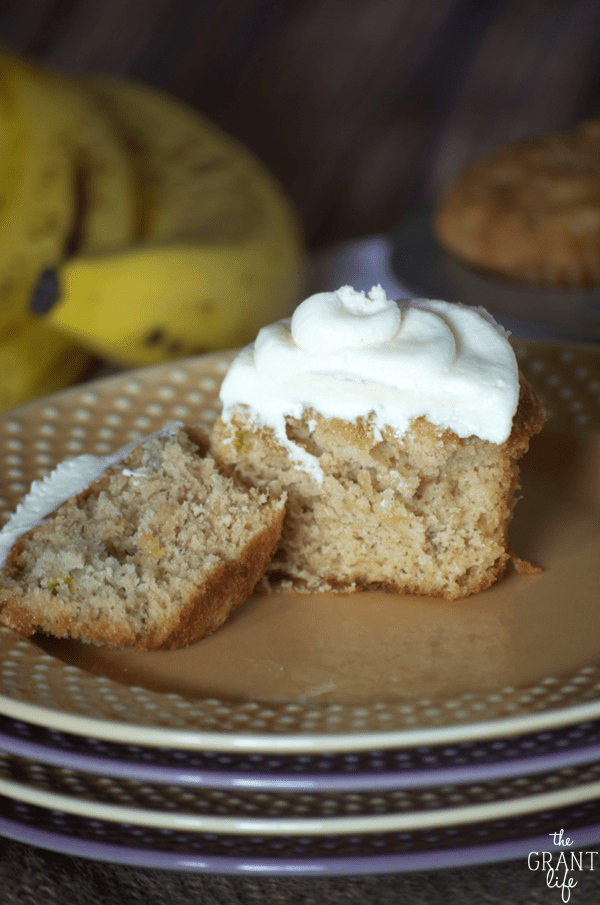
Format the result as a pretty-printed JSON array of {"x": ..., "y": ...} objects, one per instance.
[
  {"x": 463, "y": 846},
  {"x": 422, "y": 766}
]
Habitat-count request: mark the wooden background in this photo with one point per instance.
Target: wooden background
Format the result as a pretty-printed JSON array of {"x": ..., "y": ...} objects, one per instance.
[{"x": 362, "y": 108}]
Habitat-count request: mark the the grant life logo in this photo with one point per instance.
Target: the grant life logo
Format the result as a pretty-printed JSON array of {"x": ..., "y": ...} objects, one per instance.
[{"x": 562, "y": 867}]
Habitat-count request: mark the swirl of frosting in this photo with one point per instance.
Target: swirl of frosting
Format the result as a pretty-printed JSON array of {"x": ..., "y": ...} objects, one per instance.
[
  {"x": 347, "y": 355},
  {"x": 344, "y": 319}
]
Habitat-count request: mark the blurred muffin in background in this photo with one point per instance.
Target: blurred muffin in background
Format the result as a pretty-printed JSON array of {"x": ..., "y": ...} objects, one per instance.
[{"x": 530, "y": 211}]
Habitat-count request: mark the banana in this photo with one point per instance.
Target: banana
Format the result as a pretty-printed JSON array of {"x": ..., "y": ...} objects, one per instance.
[
  {"x": 73, "y": 186},
  {"x": 38, "y": 204},
  {"x": 67, "y": 183},
  {"x": 36, "y": 360},
  {"x": 218, "y": 255}
]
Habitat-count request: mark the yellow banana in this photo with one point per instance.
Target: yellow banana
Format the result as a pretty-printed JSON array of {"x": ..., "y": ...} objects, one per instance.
[
  {"x": 219, "y": 252},
  {"x": 36, "y": 360},
  {"x": 38, "y": 203},
  {"x": 73, "y": 186},
  {"x": 66, "y": 183}
]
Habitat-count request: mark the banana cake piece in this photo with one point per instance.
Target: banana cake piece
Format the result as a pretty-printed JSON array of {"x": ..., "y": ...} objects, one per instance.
[
  {"x": 395, "y": 430},
  {"x": 152, "y": 547}
]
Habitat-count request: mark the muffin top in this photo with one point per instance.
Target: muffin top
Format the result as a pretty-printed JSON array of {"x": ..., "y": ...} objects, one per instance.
[{"x": 530, "y": 211}]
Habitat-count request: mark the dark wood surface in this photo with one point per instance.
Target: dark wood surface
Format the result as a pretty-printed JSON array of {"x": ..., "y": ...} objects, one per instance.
[{"x": 362, "y": 108}]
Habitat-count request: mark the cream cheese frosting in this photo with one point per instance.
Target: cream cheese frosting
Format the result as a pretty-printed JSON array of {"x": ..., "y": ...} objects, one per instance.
[
  {"x": 349, "y": 355},
  {"x": 67, "y": 480}
]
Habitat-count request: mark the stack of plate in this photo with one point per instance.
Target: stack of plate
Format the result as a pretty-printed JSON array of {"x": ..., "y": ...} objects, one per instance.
[
  {"x": 418, "y": 261},
  {"x": 162, "y": 760}
]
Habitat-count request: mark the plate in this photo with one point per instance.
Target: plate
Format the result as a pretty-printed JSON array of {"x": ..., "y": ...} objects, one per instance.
[
  {"x": 482, "y": 843},
  {"x": 426, "y": 270},
  {"x": 407, "y": 768},
  {"x": 520, "y": 658},
  {"x": 248, "y": 811}
]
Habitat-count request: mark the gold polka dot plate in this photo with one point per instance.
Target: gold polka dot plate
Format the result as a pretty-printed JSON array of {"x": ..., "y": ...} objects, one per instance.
[{"x": 331, "y": 675}]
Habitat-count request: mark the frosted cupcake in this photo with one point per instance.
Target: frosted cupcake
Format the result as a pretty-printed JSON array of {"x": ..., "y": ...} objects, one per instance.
[{"x": 395, "y": 429}]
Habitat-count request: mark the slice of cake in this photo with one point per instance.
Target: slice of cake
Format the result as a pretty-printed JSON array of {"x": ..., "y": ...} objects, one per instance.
[
  {"x": 152, "y": 547},
  {"x": 395, "y": 431}
]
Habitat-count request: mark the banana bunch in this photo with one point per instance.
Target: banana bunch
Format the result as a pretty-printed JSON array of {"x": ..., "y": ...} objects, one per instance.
[
  {"x": 216, "y": 252},
  {"x": 131, "y": 228}
]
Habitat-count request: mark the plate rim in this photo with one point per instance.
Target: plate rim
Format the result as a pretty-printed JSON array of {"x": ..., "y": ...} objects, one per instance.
[
  {"x": 349, "y": 865},
  {"x": 296, "y": 781},
  {"x": 296, "y": 743},
  {"x": 291, "y": 827}
]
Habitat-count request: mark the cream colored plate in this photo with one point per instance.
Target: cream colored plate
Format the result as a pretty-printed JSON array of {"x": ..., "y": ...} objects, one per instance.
[
  {"x": 175, "y": 808},
  {"x": 327, "y": 672},
  {"x": 315, "y": 826}
]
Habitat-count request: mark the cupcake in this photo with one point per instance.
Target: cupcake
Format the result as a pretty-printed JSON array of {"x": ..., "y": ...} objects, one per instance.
[
  {"x": 394, "y": 429},
  {"x": 530, "y": 211}
]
